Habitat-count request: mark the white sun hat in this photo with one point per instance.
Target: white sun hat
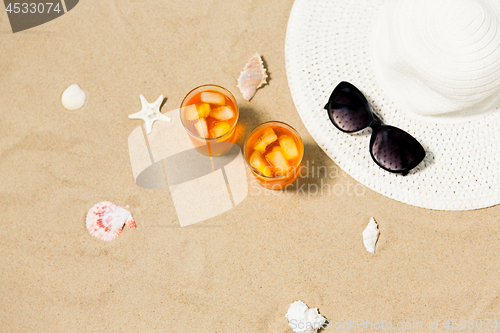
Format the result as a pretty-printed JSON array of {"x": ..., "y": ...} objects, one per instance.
[{"x": 428, "y": 67}]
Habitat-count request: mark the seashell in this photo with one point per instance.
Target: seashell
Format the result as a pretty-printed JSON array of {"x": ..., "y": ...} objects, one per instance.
[
  {"x": 370, "y": 235},
  {"x": 73, "y": 97},
  {"x": 253, "y": 76},
  {"x": 105, "y": 220},
  {"x": 304, "y": 320}
]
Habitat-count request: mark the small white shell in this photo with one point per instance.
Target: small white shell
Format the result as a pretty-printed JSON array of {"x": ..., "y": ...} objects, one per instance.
[
  {"x": 73, "y": 97},
  {"x": 370, "y": 235},
  {"x": 105, "y": 220},
  {"x": 253, "y": 76}
]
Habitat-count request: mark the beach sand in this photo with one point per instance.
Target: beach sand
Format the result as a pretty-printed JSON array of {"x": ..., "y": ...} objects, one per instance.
[{"x": 239, "y": 271}]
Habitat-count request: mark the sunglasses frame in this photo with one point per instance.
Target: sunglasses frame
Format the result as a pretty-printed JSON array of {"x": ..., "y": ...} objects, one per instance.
[{"x": 375, "y": 123}]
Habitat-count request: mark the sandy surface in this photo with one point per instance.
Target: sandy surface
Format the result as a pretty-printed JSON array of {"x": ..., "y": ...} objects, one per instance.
[{"x": 237, "y": 272}]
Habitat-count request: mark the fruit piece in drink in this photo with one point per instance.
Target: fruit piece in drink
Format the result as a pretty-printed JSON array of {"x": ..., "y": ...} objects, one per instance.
[
  {"x": 279, "y": 162},
  {"x": 259, "y": 162},
  {"x": 219, "y": 129},
  {"x": 212, "y": 98},
  {"x": 201, "y": 127},
  {"x": 289, "y": 147},
  {"x": 267, "y": 137},
  {"x": 197, "y": 111},
  {"x": 278, "y": 148}
]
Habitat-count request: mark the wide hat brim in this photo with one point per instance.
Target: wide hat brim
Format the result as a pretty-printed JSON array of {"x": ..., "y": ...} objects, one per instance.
[{"x": 328, "y": 42}]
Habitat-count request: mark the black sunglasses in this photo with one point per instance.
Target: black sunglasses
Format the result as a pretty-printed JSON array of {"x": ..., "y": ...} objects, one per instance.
[{"x": 391, "y": 148}]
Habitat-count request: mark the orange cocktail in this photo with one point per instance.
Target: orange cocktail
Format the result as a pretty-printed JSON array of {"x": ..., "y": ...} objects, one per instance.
[
  {"x": 273, "y": 151},
  {"x": 209, "y": 114}
]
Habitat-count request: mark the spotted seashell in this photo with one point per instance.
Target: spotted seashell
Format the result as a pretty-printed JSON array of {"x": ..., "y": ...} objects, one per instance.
[
  {"x": 73, "y": 97},
  {"x": 105, "y": 220},
  {"x": 253, "y": 76}
]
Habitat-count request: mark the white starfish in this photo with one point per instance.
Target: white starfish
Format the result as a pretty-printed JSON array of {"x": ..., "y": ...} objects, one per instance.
[{"x": 150, "y": 113}]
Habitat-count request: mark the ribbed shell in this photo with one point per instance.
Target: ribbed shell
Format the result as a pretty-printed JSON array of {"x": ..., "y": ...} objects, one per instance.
[
  {"x": 253, "y": 76},
  {"x": 105, "y": 220}
]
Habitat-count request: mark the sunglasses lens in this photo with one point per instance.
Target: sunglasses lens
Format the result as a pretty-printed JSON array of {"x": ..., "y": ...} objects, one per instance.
[
  {"x": 395, "y": 150},
  {"x": 347, "y": 108}
]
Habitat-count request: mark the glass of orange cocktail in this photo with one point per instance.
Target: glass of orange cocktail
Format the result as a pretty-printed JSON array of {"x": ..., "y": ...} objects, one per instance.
[
  {"x": 273, "y": 152},
  {"x": 209, "y": 114}
]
